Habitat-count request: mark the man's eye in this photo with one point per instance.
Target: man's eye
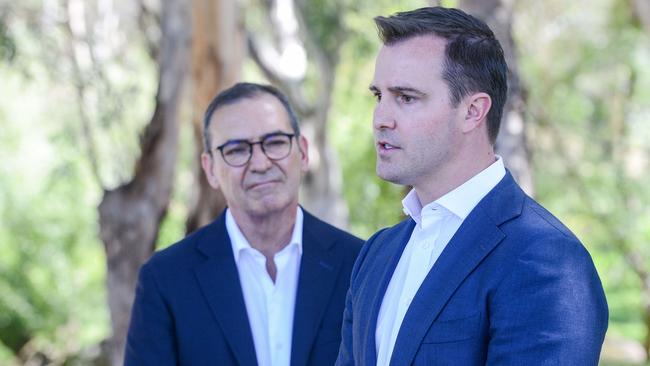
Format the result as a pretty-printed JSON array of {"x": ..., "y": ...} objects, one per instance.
[
  {"x": 377, "y": 96},
  {"x": 236, "y": 150},
  {"x": 405, "y": 98},
  {"x": 276, "y": 141}
]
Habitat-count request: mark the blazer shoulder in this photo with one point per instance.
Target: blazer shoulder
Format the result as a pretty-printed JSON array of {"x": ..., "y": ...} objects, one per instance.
[
  {"x": 538, "y": 221},
  {"x": 528, "y": 226},
  {"x": 391, "y": 230},
  {"x": 180, "y": 254},
  {"x": 389, "y": 233},
  {"x": 373, "y": 245},
  {"x": 351, "y": 243},
  {"x": 538, "y": 234}
]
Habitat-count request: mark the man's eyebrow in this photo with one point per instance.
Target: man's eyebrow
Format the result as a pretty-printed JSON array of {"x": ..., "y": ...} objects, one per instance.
[
  {"x": 405, "y": 89},
  {"x": 398, "y": 90},
  {"x": 272, "y": 133},
  {"x": 236, "y": 140}
]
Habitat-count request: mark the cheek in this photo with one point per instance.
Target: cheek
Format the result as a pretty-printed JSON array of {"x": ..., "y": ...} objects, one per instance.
[
  {"x": 293, "y": 177},
  {"x": 231, "y": 182},
  {"x": 416, "y": 116}
]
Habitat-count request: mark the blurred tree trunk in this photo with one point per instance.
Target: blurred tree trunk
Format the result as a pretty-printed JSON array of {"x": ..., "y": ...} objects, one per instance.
[
  {"x": 130, "y": 215},
  {"x": 642, "y": 13},
  {"x": 511, "y": 143},
  {"x": 282, "y": 57},
  {"x": 218, "y": 47}
]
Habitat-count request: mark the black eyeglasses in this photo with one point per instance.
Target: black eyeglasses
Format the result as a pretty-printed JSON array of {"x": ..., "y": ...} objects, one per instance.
[{"x": 276, "y": 146}]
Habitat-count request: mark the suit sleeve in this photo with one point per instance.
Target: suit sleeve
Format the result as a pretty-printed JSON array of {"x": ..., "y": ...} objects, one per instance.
[
  {"x": 346, "y": 350},
  {"x": 345, "y": 356},
  {"x": 150, "y": 339},
  {"x": 550, "y": 309}
]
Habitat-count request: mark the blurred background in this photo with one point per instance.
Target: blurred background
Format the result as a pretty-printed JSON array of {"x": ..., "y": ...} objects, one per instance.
[{"x": 100, "y": 120}]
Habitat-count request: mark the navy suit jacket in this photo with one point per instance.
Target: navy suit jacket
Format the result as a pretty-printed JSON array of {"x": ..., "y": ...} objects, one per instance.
[
  {"x": 512, "y": 287},
  {"x": 189, "y": 308}
]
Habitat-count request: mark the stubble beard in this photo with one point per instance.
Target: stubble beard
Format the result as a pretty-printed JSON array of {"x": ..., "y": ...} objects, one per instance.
[
  {"x": 412, "y": 172},
  {"x": 391, "y": 171}
]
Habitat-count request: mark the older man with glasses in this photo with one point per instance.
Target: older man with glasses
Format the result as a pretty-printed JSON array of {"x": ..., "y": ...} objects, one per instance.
[{"x": 265, "y": 283}]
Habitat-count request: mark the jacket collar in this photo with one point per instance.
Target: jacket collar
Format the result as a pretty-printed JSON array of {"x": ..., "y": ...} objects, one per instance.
[
  {"x": 219, "y": 281},
  {"x": 475, "y": 239}
]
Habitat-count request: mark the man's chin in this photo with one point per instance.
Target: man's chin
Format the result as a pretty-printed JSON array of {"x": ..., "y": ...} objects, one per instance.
[
  {"x": 389, "y": 176},
  {"x": 267, "y": 207}
]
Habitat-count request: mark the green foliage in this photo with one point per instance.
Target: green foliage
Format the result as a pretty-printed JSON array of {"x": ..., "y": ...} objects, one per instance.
[
  {"x": 51, "y": 266},
  {"x": 7, "y": 44},
  {"x": 590, "y": 137},
  {"x": 323, "y": 17},
  {"x": 52, "y": 263}
]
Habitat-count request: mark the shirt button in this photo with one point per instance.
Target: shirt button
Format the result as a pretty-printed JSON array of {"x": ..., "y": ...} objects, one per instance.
[
  {"x": 426, "y": 245},
  {"x": 278, "y": 346}
]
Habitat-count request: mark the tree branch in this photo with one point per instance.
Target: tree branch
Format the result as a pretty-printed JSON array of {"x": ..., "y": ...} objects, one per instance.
[
  {"x": 642, "y": 12},
  {"x": 277, "y": 77},
  {"x": 148, "y": 19},
  {"x": 79, "y": 82}
]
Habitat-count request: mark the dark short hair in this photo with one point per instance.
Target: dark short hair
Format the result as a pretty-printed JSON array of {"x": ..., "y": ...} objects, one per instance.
[
  {"x": 474, "y": 60},
  {"x": 239, "y": 92}
]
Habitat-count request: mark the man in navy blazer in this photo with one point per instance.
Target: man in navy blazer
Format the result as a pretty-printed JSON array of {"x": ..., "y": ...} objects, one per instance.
[
  {"x": 479, "y": 273},
  {"x": 265, "y": 283}
]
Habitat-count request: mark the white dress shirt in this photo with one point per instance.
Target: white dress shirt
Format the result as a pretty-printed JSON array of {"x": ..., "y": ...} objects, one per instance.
[
  {"x": 436, "y": 223},
  {"x": 270, "y": 306}
]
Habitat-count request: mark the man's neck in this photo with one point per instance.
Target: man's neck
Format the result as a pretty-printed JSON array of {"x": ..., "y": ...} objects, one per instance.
[
  {"x": 453, "y": 176},
  {"x": 270, "y": 233}
]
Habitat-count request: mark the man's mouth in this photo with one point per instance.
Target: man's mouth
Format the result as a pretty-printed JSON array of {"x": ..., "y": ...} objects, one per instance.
[
  {"x": 385, "y": 146},
  {"x": 262, "y": 184}
]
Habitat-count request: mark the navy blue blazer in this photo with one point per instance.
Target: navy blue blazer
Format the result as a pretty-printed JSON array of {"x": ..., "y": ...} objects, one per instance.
[
  {"x": 189, "y": 308},
  {"x": 512, "y": 287}
]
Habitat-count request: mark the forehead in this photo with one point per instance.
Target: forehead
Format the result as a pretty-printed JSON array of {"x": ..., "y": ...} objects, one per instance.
[
  {"x": 249, "y": 118},
  {"x": 413, "y": 62}
]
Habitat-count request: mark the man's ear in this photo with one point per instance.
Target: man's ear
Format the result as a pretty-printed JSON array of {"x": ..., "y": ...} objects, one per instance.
[
  {"x": 303, "y": 149},
  {"x": 207, "y": 163},
  {"x": 478, "y": 106}
]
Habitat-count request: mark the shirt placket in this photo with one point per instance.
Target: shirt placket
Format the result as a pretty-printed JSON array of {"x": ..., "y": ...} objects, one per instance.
[
  {"x": 420, "y": 260},
  {"x": 275, "y": 338}
]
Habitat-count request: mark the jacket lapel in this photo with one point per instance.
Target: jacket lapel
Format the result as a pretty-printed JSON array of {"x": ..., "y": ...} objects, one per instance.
[
  {"x": 476, "y": 238},
  {"x": 219, "y": 282},
  {"x": 318, "y": 275},
  {"x": 388, "y": 253}
]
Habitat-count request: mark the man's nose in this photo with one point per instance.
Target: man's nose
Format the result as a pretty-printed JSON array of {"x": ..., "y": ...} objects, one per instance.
[
  {"x": 259, "y": 161},
  {"x": 383, "y": 116}
]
